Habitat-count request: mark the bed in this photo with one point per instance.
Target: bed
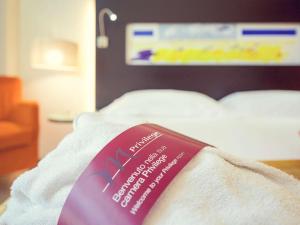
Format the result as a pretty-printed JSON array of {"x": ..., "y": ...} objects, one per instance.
[
  {"x": 259, "y": 125},
  {"x": 115, "y": 77},
  {"x": 258, "y": 132}
]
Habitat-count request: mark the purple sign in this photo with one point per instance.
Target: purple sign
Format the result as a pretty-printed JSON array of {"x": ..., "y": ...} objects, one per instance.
[{"x": 128, "y": 175}]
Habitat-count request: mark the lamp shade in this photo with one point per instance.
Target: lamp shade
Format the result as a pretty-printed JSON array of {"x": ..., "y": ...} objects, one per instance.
[{"x": 54, "y": 54}]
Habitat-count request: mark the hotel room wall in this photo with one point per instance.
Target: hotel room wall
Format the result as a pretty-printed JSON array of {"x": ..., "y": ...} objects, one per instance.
[
  {"x": 9, "y": 37},
  {"x": 215, "y": 81},
  {"x": 2, "y": 38},
  {"x": 58, "y": 91}
]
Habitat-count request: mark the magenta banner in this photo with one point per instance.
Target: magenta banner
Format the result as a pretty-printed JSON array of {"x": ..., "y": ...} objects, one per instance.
[{"x": 128, "y": 175}]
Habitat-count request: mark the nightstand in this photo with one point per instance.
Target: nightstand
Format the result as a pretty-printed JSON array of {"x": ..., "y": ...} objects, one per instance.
[{"x": 61, "y": 118}]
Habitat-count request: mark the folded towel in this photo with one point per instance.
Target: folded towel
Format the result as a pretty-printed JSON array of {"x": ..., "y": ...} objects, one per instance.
[{"x": 214, "y": 188}]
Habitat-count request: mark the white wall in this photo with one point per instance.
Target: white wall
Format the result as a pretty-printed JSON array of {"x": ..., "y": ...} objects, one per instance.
[
  {"x": 9, "y": 37},
  {"x": 58, "y": 91},
  {"x": 2, "y": 37}
]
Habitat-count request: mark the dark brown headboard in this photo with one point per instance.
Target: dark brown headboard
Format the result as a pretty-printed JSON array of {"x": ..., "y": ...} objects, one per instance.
[{"x": 114, "y": 77}]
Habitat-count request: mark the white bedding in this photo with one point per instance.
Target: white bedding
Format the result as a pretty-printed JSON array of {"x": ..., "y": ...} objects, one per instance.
[
  {"x": 266, "y": 103},
  {"x": 166, "y": 103},
  {"x": 248, "y": 135}
]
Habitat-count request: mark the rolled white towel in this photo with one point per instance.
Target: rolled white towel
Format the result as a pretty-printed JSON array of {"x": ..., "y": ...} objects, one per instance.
[{"x": 214, "y": 188}]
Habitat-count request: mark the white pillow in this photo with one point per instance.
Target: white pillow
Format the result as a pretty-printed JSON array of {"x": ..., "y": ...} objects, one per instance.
[
  {"x": 164, "y": 103},
  {"x": 269, "y": 103}
]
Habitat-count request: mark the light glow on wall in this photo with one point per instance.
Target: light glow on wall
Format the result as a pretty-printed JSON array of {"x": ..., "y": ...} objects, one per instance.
[
  {"x": 55, "y": 54},
  {"x": 54, "y": 57}
]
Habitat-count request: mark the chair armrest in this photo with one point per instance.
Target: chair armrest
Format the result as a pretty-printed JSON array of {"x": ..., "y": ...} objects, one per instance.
[{"x": 26, "y": 114}]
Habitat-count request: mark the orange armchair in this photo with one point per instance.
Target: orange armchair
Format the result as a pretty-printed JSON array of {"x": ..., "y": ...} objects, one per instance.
[{"x": 18, "y": 128}]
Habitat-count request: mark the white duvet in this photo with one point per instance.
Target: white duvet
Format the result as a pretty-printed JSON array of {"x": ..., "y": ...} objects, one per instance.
[
  {"x": 260, "y": 125},
  {"x": 214, "y": 188},
  {"x": 250, "y": 137}
]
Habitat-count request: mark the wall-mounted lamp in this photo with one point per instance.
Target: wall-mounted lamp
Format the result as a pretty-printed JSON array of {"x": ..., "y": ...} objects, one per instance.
[
  {"x": 54, "y": 54},
  {"x": 102, "y": 40}
]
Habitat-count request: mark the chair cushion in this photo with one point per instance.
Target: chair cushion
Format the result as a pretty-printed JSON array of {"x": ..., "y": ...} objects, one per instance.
[{"x": 12, "y": 135}]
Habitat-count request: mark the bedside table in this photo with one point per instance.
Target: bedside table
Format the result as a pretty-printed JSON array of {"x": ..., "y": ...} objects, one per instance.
[{"x": 61, "y": 118}]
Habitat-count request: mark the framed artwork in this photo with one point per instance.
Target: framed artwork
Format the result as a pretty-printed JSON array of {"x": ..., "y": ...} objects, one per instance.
[{"x": 213, "y": 44}]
